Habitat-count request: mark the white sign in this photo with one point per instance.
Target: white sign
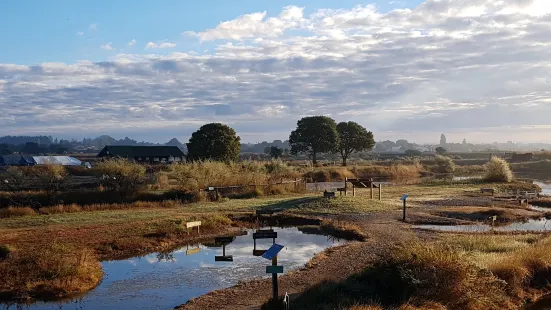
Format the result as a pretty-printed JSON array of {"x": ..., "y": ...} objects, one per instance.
[{"x": 193, "y": 224}]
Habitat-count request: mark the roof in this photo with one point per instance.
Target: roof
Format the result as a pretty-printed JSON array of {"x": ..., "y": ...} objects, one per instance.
[
  {"x": 58, "y": 160},
  {"x": 16, "y": 160},
  {"x": 128, "y": 151}
]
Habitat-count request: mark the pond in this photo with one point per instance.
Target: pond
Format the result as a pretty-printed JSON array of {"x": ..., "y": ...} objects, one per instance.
[
  {"x": 545, "y": 187},
  {"x": 533, "y": 225},
  {"x": 166, "y": 280}
]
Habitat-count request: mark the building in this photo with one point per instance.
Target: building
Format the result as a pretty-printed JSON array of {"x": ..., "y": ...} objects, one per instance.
[
  {"x": 17, "y": 160},
  {"x": 23, "y": 160},
  {"x": 144, "y": 154}
]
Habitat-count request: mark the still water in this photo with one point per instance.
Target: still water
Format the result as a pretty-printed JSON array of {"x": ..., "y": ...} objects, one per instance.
[
  {"x": 534, "y": 225},
  {"x": 163, "y": 281}
]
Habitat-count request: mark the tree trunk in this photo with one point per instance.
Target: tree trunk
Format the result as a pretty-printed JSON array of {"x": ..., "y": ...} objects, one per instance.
[
  {"x": 314, "y": 158},
  {"x": 344, "y": 161}
]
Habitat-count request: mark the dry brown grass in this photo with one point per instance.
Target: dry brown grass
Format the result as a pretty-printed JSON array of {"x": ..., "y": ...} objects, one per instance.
[
  {"x": 16, "y": 211},
  {"x": 524, "y": 268},
  {"x": 56, "y": 270}
]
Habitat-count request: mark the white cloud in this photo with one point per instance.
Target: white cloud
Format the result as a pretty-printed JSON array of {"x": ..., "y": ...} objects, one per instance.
[
  {"x": 255, "y": 24},
  {"x": 472, "y": 67},
  {"x": 132, "y": 43},
  {"x": 160, "y": 45},
  {"x": 93, "y": 27},
  {"x": 107, "y": 46},
  {"x": 80, "y": 33}
]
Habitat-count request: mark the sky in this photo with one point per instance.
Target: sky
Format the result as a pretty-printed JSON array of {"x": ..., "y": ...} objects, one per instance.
[{"x": 153, "y": 70}]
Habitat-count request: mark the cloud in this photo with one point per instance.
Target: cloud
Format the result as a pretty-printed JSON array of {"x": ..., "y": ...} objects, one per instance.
[
  {"x": 160, "y": 45},
  {"x": 474, "y": 68},
  {"x": 254, "y": 24},
  {"x": 107, "y": 46},
  {"x": 132, "y": 43},
  {"x": 80, "y": 33},
  {"x": 93, "y": 27}
]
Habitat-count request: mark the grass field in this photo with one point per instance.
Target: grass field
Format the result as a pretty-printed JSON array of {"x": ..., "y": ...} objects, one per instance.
[{"x": 78, "y": 237}]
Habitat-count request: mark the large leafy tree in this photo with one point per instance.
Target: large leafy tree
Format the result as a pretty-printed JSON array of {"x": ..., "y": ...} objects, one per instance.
[
  {"x": 353, "y": 138},
  {"x": 214, "y": 141},
  {"x": 314, "y": 135}
]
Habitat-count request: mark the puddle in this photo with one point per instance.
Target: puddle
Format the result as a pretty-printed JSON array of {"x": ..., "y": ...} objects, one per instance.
[
  {"x": 533, "y": 225},
  {"x": 539, "y": 209},
  {"x": 163, "y": 281},
  {"x": 545, "y": 187}
]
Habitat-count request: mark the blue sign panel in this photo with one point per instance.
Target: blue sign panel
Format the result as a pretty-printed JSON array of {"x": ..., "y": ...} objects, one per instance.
[
  {"x": 404, "y": 197},
  {"x": 272, "y": 251}
]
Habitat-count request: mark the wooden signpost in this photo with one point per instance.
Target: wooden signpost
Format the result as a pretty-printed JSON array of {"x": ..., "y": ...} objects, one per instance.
[
  {"x": 264, "y": 235},
  {"x": 193, "y": 251},
  {"x": 404, "y": 198},
  {"x": 190, "y": 225},
  {"x": 224, "y": 241},
  {"x": 274, "y": 269}
]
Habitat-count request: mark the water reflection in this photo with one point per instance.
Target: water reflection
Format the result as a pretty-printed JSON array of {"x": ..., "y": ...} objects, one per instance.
[
  {"x": 533, "y": 225},
  {"x": 165, "y": 280}
]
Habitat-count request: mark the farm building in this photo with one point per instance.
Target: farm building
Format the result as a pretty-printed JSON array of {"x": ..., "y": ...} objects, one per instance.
[
  {"x": 144, "y": 154},
  {"x": 22, "y": 160},
  {"x": 16, "y": 160}
]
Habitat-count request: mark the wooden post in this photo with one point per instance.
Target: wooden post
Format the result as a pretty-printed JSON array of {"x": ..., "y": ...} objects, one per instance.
[
  {"x": 353, "y": 190},
  {"x": 296, "y": 185},
  {"x": 380, "y": 191},
  {"x": 275, "y": 292},
  {"x": 371, "y": 190},
  {"x": 404, "y": 211},
  {"x": 345, "y": 181},
  {"x": 216, "y": 194}
]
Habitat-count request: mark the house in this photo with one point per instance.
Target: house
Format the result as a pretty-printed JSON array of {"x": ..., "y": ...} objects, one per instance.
[{"x": 144, "y": 154}]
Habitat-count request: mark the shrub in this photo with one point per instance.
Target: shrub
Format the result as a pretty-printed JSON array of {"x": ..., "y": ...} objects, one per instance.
[
  {"x": 443, "y": 164},
  {"x": 16, "y": 211},
  {"x": 498, "y": 170},
  {"x": 121, "y": 174},
  {"x": 5, "y": 252}
]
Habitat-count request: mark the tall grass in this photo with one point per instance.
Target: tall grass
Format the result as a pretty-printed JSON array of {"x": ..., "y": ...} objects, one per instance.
[
  {"x": 56, "y": 270},
  {"x": 413, "y": 275},
  {"x": 202, "y": 174},
  {"x": 498, "y": 170},
  {"x": 525, "y": 268}
]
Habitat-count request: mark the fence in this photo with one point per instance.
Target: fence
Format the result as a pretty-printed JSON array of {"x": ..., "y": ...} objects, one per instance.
[{"x": 297, "y": 185}]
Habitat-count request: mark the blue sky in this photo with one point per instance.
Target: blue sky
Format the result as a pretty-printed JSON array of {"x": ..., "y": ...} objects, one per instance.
[
  {"x": 474, "y": 69},
  {"x": 46, "y": 31}
]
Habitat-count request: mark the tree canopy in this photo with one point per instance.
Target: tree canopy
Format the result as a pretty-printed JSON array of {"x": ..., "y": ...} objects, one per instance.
[
  {"x": 353, "y": 138},
  {"x": 214, "y": 141},
  {"x": 314, "y": 135}
]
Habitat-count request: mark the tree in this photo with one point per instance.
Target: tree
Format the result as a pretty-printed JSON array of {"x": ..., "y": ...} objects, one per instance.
[
  {"x": 353, "y": 138},
  {"x": 443, "y": 139},
  {"x": 314, "y": 135},
  {"x": 275, "y": 152},
  {"x": 214, "y": 141},
  {"x": 440, "y": 150},
  {"x": 444, "y": 164}
]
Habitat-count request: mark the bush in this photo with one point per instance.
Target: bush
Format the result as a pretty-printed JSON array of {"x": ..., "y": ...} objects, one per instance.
[
  {"x": 5, "y": 252},
  {"x": 16, "y": 211},
  {"x": 121, "y": 174},
  {"x": 498, "y": 170},
  {"x": 443, "y": 164}
]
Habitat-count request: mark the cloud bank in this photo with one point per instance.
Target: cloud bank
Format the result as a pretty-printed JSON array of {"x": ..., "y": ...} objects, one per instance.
[{"x": 479, "y": 68}]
